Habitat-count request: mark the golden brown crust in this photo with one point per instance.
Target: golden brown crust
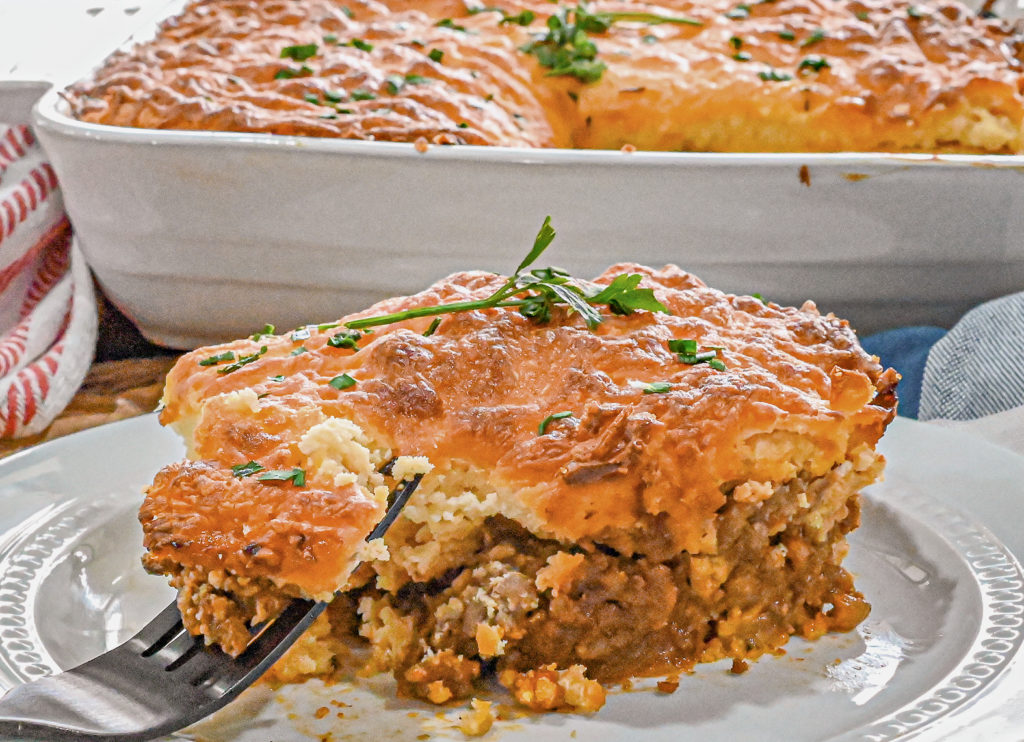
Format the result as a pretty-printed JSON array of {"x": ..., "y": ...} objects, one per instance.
[
  {"x": 632, "y": 470},
  {"x": 790, "y": 75},
  {"x": 198, "y": 514}
]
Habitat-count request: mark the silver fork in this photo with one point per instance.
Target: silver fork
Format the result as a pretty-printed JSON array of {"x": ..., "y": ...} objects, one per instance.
[{"x": 160, "y": 680}]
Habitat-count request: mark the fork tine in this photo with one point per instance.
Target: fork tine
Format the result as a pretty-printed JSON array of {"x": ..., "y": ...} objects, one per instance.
[{"x": 160, "y": 680}]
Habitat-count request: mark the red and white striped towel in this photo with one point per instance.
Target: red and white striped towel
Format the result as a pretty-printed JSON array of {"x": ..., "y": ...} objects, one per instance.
[{"x": 48, "y": 318}]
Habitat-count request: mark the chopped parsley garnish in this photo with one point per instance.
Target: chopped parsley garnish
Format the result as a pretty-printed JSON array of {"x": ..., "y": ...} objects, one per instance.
[
  {"x": 433, "y": 327},
  {"x": 657, "y": 387},
  {"x": 817, "y": 35},
  {"x": 436, "y": 55},
  {"x": 297, "y": 476},
  {"x": 760, "y": 298},
  {"x": 361, "y": 45},
  {"x": 301, "y": 334},
  {"x": 278, "y": 377},
  {"x": 742, "y": 56},
  {"x": 787, "y": 35},
  {"x": 394, "y": 83},
  {"x": 685, "y": 346},
  {"x": 567, "y": 50},
  {"x": 342, "y": 382},
  {"x": 416, "y": 79},
  {"x": 814, "y": 62},
  {"x": 688, "y": 353},
  {"x": 774, "y": 76},
  {"x": 311, "y": 98},
  {"x": 333, "y": 96},
  {"x": 862, "y": 15},
  {"x": 345, "y": 339},
  {"x": 243, "y": 361},
  {"x": 739, "y": 13},
  {"x": 360, "y": 94},
  {"x": 245, "y": 470},
  {"x": 348, "y": 11},
  {"x": 227, "y": 355},
  {"x": 463, "y": 125},
  {"x": 449, "y": 23},
  {"x": 299, "y": 351},
  {"x": 550, "y": 419},
  {"x": 289, "y": 72},
  {"x": 299, "y": 52},
  {"x": 736, "y": 42},
  {"x": 268, "y": 330},
  {"x": 330, "y": 39},
  {"x": 520, "y": 19},
  {"x": 539, "y": 291}
]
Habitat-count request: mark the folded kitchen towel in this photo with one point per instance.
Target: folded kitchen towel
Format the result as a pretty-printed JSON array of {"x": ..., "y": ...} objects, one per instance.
[{"x": 48, "y": 320}]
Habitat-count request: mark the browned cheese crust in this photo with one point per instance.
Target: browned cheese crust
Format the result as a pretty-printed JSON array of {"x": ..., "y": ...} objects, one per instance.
[
  {"x": 791, "y": 75},
  {"x": 627, "y": 466}
]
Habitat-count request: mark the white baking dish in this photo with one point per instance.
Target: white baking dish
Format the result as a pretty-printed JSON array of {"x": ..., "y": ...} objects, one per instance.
[{"x": 201, "y": 237}]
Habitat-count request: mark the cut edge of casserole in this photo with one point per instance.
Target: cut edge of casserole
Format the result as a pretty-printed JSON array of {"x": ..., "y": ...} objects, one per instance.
[{"x": 638, "y": 536}]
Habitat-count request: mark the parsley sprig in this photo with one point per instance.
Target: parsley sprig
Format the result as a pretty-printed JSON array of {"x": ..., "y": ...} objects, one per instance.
[{"x": 537, "y": 292}]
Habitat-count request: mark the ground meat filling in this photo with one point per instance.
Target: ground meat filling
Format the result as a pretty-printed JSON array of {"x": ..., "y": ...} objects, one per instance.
[
  {"x": 522, "y": 603},
  {"x": 220, "y": 606}
]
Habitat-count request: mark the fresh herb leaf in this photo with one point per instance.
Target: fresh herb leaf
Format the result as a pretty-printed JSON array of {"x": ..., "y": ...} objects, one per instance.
[
  {"x": 345, "y": 339},
  {"x": 330, "y": 39},
  {"x": 551, "y": 418},
  {"x": 695, "y": 358},
  {"x": 652, "y": 18},
  {"x": 449, "y": 23},
  {"x": 525, "y": 18},
  {"x": 657, "y": 387},
  {"x": 623, "y": 297},
  {"x": 333, "y": 96},
  {"x": 416, "y": 79},
  {"x": 348, "y": 12},
  {"x": 243, "y": 361},
  {"x": 787, "y": 35},
  {"x": 436, "y": 55},
  {"x": 394, "y": 83},
  {"x": 227, "y": 355},
  {"x": 268, "y": 330},
  {"x": 360, "y": 44},
  {"x": 299, "y": 52},
  {"x": 814, "y": 62},
  {"x": 774, "y": 76},
  {"x": 342, "y": 382},
  {"x": 742, "y": 56},
  {"x": 289, "y": 72},
  {"x": 433, "y": 327},
  {"x": 327, "y": 326},
  {"x": 538, "y": 292},
  {"x": 245, "y": 470},
  {"x": 716, "y": 364},
  {"x": 299, "y": 351},
  {"x": 817, "y": 35},
  {"x": 760, "y": 298},
  {"x": 739, "y": 13},
  {"x": 360, "y": 94},
  {"x": 736, "y": 42},
  {"x": 278, "y": 377},
  {"x": 684, "y": 346},
  {"x": 862, "y": 15},
  {"x": 311, "y": 98},
  {"x": 297, "y": 476}
]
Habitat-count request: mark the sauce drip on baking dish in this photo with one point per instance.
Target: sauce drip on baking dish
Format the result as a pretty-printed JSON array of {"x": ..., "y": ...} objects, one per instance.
[{"x": 790, "y": 75}]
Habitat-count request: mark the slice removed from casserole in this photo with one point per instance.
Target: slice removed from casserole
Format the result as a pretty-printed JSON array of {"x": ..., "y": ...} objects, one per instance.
[{"x": 664, "y": 479}]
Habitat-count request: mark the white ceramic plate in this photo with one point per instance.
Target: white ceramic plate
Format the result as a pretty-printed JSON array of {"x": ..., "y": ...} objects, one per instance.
[{"x": 944, "y": 628}]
